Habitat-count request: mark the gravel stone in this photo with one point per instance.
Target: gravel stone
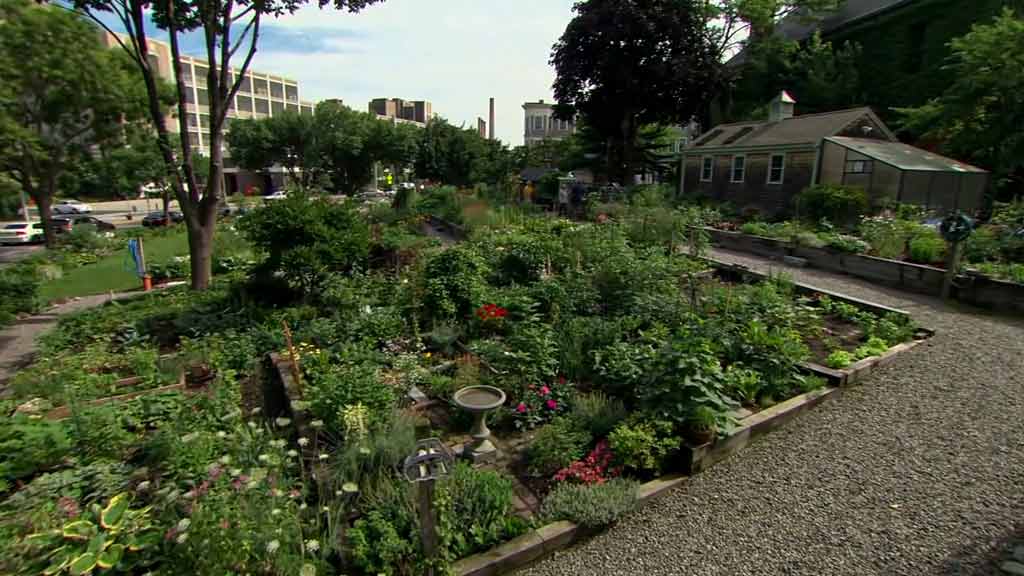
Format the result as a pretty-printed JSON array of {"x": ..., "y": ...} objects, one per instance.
[{"x": 916, "y": 470}]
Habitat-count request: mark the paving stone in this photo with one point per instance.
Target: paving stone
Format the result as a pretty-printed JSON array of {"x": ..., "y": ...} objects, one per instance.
[{"x": 1013, "y": 568}]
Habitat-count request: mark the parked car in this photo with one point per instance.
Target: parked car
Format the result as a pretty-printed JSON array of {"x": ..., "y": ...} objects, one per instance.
[
  {"x": 21, "y": 233},
  {"x": 61, "y": 224},
  {"x": 71, "y": 207},
  {"x": 101, "y": 225},
  {"x": 279, "y": 195},
  {"x": 157, "y": 218}
]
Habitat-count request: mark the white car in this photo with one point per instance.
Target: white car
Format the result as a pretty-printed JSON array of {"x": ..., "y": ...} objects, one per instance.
[
  {"x": 21, "y": 233},
  {"x": 71, "y": 207},
  {"x": 279, "y": 195}
]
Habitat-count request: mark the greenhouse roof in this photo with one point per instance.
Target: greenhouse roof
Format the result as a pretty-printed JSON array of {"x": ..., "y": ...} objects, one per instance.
[{"x": 904, "y": 156}]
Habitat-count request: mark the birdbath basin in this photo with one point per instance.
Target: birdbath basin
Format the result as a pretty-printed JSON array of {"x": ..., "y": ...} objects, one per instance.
[{"x": 478, "y": 401}]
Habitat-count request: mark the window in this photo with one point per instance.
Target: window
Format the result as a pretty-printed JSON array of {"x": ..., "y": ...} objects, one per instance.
[
  {"x": 260, "y": 86},
  {"x": 193, "y": 122},
  {"x": 204, "y": 121},
  {"x": 307, "y": 110},
  {"x": 291, "y": 93},
  {"x": 707, "y": 169},
  {"x": 538, "y": 123},
  {"x": 776, "y": 168},
  {"x": 292, "y": 107},
  {"x": 739, "y": 168},
  {"x": 277, "y": 90},
  {"x": 262, "y": 106},
  {"x": 203, "y": 97},
  {"x": 246, "y": 84},
  {"x": 859, "y": 167},
  {"x": 186, "y": 73},
  {"x": 276, "y": 107},
  {"x": 245, "y": 103},
  {"x": 190, "y": 96}
]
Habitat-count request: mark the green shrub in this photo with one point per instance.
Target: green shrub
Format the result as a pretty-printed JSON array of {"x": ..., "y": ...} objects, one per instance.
[
  {"x": 379, "y": 451},
  {"x": 308, "y": 238},
  {"x": 29, "y": 445},
  {"x": 642, "y": 446},
  {"x": 19, "y": 286},
  {"x": 475, "y": 510},
  {"x": 590, "y": 505},
  {"x": 330, "y": 387},
  {"x": 454, "y": 282},
  {"x": 983, "y": 245},
  {"x": 875, "y": 346},
  {"x": 743, "y": 384},
  {"x": 887, "y": 237},
  {"x": 842, "y": 205},
  {"x": 809, "y": 239},
  {"x": 555, "y": 446},
  {"x": 597, "y": 413},
  {"x": 927, "y": 248},
  {"x": 839, "y": 359}
]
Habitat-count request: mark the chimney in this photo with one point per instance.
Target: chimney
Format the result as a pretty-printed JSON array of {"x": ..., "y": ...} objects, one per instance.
[
  {"x": 781, "y": 107},
  {"x": 490, "y": 121}
]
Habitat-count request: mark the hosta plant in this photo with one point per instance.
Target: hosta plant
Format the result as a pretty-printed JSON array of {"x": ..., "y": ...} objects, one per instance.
[{"x": 113, "y": 539}]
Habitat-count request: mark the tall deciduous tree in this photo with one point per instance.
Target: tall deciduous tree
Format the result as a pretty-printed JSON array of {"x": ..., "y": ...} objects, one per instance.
[
  {"x": 231, "y": 31},
  {"x": 289, "y": 140},
  {"x": 981, "y": 114},
  {"x": 626, "y": 63},
  {"x": 62, "y": 94},
  {"x": 730, "y": 24}
]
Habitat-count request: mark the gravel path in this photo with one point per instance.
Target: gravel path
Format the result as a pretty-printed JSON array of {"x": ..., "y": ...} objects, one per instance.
[{"x": 919, "y": 470}]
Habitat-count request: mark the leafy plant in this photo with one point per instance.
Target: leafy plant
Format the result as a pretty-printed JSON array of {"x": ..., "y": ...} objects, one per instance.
[
  {"x": 555, "y": 446},
  {"x": 115, "y": 538},
  {"x": 839, "y": 359},
  {"x": 598, "y": 413},
  {"x": 743, "y": 384},
  {"x": 643, "y": 445},
  {"x": 28, "y": 445},
  {"x": 475, "y": 510},
  {"x": 590, "y": 505},
  {"x": 875, "y": 346},
  {"x": 596, "y": 468},
  {"x": 927, "y": 248},
  {"x": 840, "y": 204},
  {"x": 454, "y": 283},
  {"x": 540, "y": 404},
  {"x": 330, "y": 386}
]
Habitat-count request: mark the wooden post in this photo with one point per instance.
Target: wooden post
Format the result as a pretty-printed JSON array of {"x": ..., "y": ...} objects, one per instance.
[
  {"x": 954, "y": 252},
  {"x": 428, "y": 522},
  {"x": 142, "y": 257}
]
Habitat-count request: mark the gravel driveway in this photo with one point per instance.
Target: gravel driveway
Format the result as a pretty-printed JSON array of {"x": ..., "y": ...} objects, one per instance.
[{"x": 918, "y": 470}]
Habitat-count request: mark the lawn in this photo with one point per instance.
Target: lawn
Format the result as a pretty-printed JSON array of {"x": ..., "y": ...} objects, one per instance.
[{"x": 114, "y": 272}]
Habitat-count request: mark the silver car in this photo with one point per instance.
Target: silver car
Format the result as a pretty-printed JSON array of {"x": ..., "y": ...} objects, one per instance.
[
  {"x": 71, "y": 207},
  {"x": 21, "y": 233}
]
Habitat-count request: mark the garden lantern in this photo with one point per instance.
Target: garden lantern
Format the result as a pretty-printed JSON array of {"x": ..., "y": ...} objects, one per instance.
[{"x": 431, "y": 460}]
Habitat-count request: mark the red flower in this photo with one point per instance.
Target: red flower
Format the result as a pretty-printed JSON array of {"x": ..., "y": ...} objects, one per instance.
[
  {"x": 521, "y": 408},
  {"x": 552, "y": 404},
  {"x": 561, "y": 379},
  {"x": 544, "y": 390}
]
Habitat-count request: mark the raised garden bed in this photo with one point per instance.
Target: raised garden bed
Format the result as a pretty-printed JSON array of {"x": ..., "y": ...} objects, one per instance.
[{"x": 970, "y": 288}]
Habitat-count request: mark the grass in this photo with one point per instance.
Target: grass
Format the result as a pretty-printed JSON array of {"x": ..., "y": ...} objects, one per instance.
[{"x": 115, "y": 272}]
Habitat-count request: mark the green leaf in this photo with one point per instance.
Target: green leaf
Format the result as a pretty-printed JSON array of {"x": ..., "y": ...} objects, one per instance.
[
  {"x": 112, "y": 515},
  {"x": 111, "y": 556},
  {"x": 83, "y": 564},
  {"x": 61, "y": 557},
  {"x": 142, "y": 541},
  {"x": 79, "y": 530}
]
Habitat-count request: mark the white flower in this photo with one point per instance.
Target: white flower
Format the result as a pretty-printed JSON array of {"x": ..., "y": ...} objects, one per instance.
[
  {"x": 322, "y": 457},
  {"x": 272, "y": 546},
  {"x": 325, "y": 509},
  {"x": 317, "y": 423},
  {"x": 299, "y": 406},
  {"x": 312, "y": 545},
  {"x": 183, "y": 524},
  {"x": 143, "y": 486},
  {"x": 255, "y": 411},
  {"x": 279, "y": 443},
  {"x": 275, "y": 512},
  {"x": 222, "y": 434},
  {"x": 303, "y": 441},
  {"x": 263, "y": 458},
  {"x": 292, "y": 453},
  {"x": 282, "y": 422},
  {"x": 303, "y": 506},
  {"x": 252, "y": 424},
  {"x": 182, "y": 537}
]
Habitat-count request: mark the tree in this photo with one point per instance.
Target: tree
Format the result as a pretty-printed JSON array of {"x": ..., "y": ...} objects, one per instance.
[
  {"x": 626, "y": 63},
  {"x": 289, "y": 139},
  {"x": 230, "y": 29},
  {"x": 979, "y": 116},
  {"x": 56, "y": 103},
  {"x": 730, "y": 24},
  {"x": 821, "y": 77}
]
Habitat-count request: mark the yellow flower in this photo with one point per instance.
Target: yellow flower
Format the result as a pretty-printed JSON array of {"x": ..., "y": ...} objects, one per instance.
[{"x": 428, "y": 354}]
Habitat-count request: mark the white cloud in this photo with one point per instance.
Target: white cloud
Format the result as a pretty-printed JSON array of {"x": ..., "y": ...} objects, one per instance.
[{"x": 455, "y": 53}]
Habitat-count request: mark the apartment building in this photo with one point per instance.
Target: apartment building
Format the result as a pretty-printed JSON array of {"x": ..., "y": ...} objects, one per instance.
[
  {"x": 540, "y": 123},
  {"x": 417, "y": 112},
  {"x": 260, "y": 95}
]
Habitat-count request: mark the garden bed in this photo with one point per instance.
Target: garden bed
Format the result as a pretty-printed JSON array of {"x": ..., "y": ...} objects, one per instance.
[{"x": 970, "y": 288}]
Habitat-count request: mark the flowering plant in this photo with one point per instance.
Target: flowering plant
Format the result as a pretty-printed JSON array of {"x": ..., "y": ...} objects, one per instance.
[
  {"x": 594, "y": 469},
  {"x": 491, "y": 313},
  {"x": 539, "y": 404}
]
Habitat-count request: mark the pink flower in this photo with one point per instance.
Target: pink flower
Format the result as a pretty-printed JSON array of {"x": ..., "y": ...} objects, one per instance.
[
  {"x": 224, "y": 524},
  {"x": 552, "y": 404},
  {"x": 544, "y": 390},
  {"x": 521, "y": 408}
]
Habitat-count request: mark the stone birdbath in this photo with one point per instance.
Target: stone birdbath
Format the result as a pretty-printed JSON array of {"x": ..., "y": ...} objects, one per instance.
[{"x": 478, "y": 401}]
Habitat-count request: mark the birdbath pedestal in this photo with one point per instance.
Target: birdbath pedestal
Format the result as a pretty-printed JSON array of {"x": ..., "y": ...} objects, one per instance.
[{"x": 478, "y": 401}]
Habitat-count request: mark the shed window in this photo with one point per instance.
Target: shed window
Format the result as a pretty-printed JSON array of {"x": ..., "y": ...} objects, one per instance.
[
  {"x": 776, "y": 168},
  {"x": 739, "y": 168},
  {"x": 859, "y": 166},
  {"x": 707, "y": 169}
]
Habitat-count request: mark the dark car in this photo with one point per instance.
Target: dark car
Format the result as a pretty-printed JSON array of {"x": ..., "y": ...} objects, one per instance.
[
  {"x": 158, "y": 219},
  {"x": 101, "y": 225}
]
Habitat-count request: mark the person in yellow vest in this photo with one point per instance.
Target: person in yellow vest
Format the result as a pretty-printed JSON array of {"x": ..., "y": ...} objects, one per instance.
[{"x": 528, "y": 192}]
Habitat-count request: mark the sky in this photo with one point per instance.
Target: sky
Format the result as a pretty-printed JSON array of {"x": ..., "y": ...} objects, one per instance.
[{"x": 454, "y": 53}]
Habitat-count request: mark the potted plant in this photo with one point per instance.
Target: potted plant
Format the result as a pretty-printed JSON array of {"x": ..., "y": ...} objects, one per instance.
[{"x": 703, "y": 426}]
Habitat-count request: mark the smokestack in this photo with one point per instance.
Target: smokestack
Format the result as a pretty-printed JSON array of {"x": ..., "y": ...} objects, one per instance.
[{"x": 490, "y": 124}]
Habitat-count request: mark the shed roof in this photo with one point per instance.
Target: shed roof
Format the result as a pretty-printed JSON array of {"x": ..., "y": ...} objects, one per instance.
[
  {"x": 804, "y": 129},
  {"x": 904, "y": 156},
  {"x": 797, "y": 27}
]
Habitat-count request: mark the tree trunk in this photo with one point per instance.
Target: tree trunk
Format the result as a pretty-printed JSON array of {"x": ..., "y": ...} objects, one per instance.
[
  {"x": 44, "y": 200},
  {"x": 200, "y": 249}
]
